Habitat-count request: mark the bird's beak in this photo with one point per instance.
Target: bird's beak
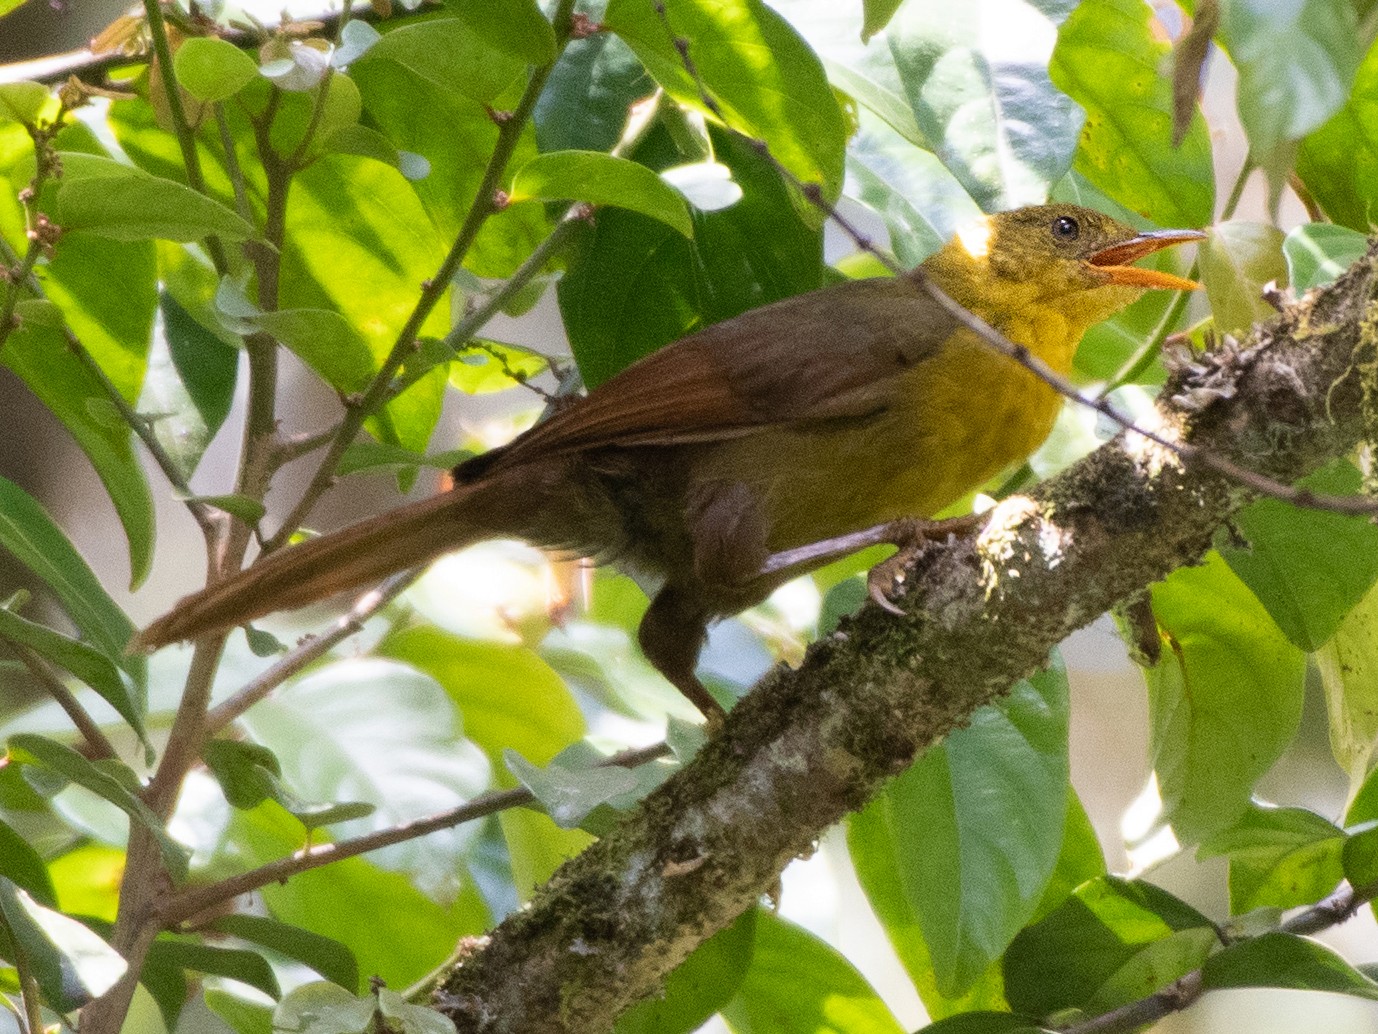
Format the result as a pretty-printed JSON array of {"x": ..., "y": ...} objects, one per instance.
[{"x": 1114, "y": 260}]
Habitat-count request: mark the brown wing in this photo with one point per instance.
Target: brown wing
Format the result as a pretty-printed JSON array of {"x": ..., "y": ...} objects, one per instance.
[{"x": 831, "y": 353}]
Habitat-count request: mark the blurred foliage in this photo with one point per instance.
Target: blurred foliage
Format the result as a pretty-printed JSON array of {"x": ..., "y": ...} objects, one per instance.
[{"x": 331, "y": 171}]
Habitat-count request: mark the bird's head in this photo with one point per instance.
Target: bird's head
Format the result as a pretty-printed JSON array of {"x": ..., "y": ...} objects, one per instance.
[{"x": 1064, "y": 255}]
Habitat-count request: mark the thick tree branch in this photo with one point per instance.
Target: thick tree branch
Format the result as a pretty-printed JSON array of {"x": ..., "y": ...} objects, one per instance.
[{"x": 808, "y": 746}]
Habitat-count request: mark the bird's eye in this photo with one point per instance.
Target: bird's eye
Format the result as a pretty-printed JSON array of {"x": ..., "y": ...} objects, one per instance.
[{"x": 1065, "y": 228}]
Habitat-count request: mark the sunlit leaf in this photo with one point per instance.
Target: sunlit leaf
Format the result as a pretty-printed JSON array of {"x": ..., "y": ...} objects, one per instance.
[
  {"x": 1279, "y": 858},
  {"x": 699, "y": 986},
  {"x": 1339, "y": 161},
  {"x": 1237, "y": 260},
  {"x": 1317, "y": 253},
  {"x": 514, "y": 26},
  {"x": 1285, "y": 960},
  {"x": 1348, "y": 665},
  {"x": 212, "y": 69},
  {"x": 601, "y": 179}
]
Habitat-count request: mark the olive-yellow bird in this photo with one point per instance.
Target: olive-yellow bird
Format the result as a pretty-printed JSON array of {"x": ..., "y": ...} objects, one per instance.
[{"x": 791, "y": 425}]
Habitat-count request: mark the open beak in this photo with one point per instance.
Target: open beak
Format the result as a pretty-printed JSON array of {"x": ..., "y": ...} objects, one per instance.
[{"x": 1114, "y": 260}]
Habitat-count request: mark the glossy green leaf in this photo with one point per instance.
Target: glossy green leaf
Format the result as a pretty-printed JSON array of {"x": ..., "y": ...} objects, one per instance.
[
  {"x": 984, "y": 1023},
  {"x": 247, "y": 967},
  {"x": 22, "y": 101},
  {"x": 378, "y": 732},
  {"x": 41, "y": 358},
  {"x": 602, "y": 179},
  {"x": 569, "y": 795},
  {"x": 1339, "y": 162},
  {"x": 1108, "y": 60},
  {"x": 212, "y": 69},
  {"x": 762, "y": 76},
  {"x": 1285, "y": 960},
  {"x": 396, "y": 931},
  {"x": 366, "y": 455},
  {"x": 1225, "y": 699},
  {"x": 584, "y": 104},
  {"x": 1308, "y": 567},
  {"x": 990, "y": 111},
  {"x": 797, "y": 984},
  {"x": 514, "y": 26},
  {"x": 247, "y": 772},
  {"x": 1317, "y": 253},
  {"x": 1348, "y": 665},
  {"x": 975, "y": 827},
  {"x": 326, "y": 342},
  {"x": 1111, "y": 942},
  {"x": 634, "y": 284},
  {"x": 88, "y": 664},
  {"x": 1295, "y": 62},
  {"x": 66, "y": 763},
  {"x": 508, "y": 698},
  {"x": 450, "y": 55},
  {"x": 111, "y": 199},
  {"x": 1237, "y": 260},
  {"x": 1359, "y": 859},
  {"x": 325, "y": 1006},
  {"x": 25, "y": 867},
  {"x": 1279, "y": 858},
  {"x": 242, "y": 1017},
  {"x": 71, "y": 964},
  {"x": 877, "y": 14},
  {"x": 328, "y": 957},
  {"x": 189, "y": 385},
  {"x": 699, "y": 986},
  {"x": 29, "y": 534}
]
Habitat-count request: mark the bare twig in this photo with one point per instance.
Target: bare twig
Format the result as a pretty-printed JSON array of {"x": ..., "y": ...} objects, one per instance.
[
  {"x": 190, "y": 902},
  {"x": 99, "y": 746}
]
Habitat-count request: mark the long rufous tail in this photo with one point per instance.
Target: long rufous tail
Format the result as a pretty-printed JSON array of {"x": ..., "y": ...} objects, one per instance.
[{"x": 351, "y": 558}]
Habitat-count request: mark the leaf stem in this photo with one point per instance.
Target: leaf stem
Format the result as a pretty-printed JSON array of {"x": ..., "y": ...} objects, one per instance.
[{"x": 29, "y": 992}]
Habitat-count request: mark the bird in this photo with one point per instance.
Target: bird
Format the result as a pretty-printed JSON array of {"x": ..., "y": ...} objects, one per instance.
[{"x": 758, "y": 448}]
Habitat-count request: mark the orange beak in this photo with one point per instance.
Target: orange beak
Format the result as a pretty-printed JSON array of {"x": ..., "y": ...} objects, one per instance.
[{"x": 1114, "y": 260}]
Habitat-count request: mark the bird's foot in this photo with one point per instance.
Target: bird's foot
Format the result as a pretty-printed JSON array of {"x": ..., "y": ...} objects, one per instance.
[{"x": 912, "y": 535}]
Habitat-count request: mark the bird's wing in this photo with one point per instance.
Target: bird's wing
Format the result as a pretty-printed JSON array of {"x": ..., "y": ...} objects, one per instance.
[{"x": 830, "y": 354}]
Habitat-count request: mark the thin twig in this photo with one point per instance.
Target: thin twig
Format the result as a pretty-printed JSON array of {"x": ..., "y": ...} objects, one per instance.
[
  {"x": 190, "y": 902},
  {"x": 98, "y": 745},
  {"x": 307, "y": 651}
]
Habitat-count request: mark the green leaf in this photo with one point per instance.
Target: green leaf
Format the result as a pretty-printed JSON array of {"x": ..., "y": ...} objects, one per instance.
[
  {"x": 247, "y": 772},
  {"x": 400, "y": 1014},
  {"x": 29, "y": 749},
  {"x": 366, "y": 455},
  {"x": 585, "y": 101},
  {"x": 326, "y": 1008},
  {"x": 111, "y": 199},
  {"x": 88, "y": 664},
  {"x": 247, "y": 967},
  {"x": 1295, "y": 65},
  {"x": 634, "y": 284},
  {"x": 876, "y": 15},
  {"x": 1317, "y": 253},
  {"x": 514, "y": 26},
  {"x": 1225, "y": 699},
  {"x": 1348, "y": 665},
  {"x": 1359, "y": 859},
  {"x": 976, "y": 826},
  {"x": 984, "y": 1023},
  {"x": 397, "y": 932},
  {"x": 1081, "y": 858},
  {"x": 240, "y": 1016},
  {"x": 569, "y": 795},
  {"x": 699, "y": 986},
  {"x": 1237, "y": 260},
  {"x": 797, "y": 984},
  {"x": 326, "y": 956},
  {"x": 333, "y": 744},
  {"x": 1108, "y": 60},
  {"x": 1110, "y": 943},
  {"x": 1279, "y": 858},
  {"x": 325, "y": 341},
  {"x": 30, "y": 535},
  {"x": 763, "y": 77},
  {"x": 71, "y": 964},
  {"x": 602, "y": 179},
  {"x": 22, "y": 101},
  {"x": 247, "y": 509},
  {"x": 21, "y": 864},
  {"x": 1339, "y": 162},
  {"x": 992, "y": 113},
  {"x": 1285, "y": 960},
  {"x": 451, "y": 56},
  {"x": 212, "y": 69},
  {"x": 189, "y": 385},
  {"x": 507, "y": 696},
  {"x": 484, "y": 366},
  {"x": 1308, "y": 567},
  {"x": 536, "y": 847},
  {"x": 41, "y": 358}
]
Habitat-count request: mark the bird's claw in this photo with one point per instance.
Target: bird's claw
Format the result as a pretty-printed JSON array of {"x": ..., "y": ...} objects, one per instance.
[{"x": 912, "y": 536}]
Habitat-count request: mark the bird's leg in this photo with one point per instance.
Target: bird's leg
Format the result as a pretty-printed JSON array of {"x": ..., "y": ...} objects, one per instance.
[
  {"x": 910, "y": 534},
  {"x": 671, "y": 635}
]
